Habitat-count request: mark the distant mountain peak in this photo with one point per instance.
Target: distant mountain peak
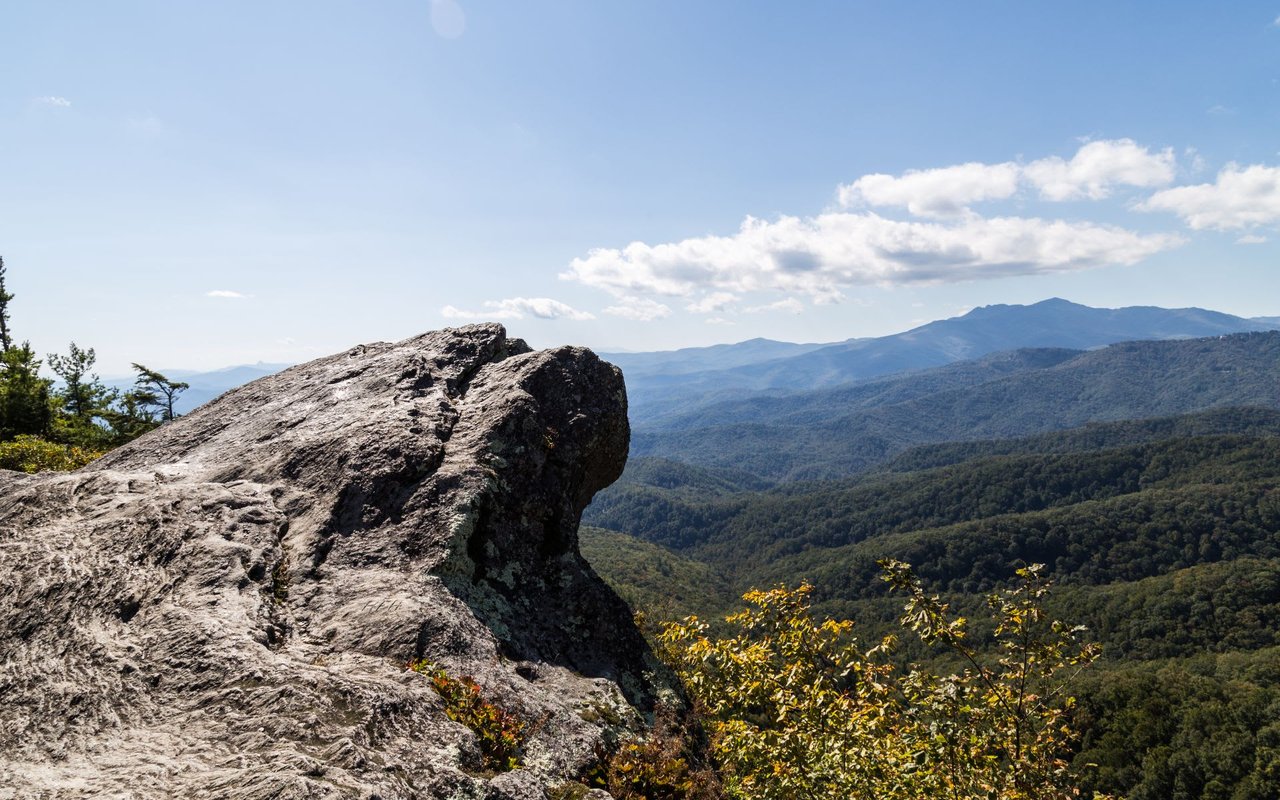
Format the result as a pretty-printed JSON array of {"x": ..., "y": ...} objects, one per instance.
[
  {"x": 1056, "y": 302},
  {"x": 656, "y": 385}
]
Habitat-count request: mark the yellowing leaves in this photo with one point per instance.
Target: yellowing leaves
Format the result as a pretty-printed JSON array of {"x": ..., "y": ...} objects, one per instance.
[{"x": 798, "y": 709}]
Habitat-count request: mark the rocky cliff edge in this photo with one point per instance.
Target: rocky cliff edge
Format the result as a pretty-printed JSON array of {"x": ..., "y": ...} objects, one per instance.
[{"x": 226, "y": 607}]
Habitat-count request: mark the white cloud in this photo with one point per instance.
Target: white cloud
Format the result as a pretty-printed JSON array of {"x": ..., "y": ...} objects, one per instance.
[
  {"x": 226, "y": 293},
  {"x": 948, "y": 191},
  {"x": 943, "y": 192},
  {"x": 1251, "y": 238},
  {"x": 55, "y": 101},
  {"x": 790, "y": 304},
  {"x": 1097, "y": 167},
  {"x": 1239, "y": 198},
  {"x": 711, "y": 303},
  {"x": 453, "y": 312},
  {"x": 719, "y": 321},
  {"x": 641, "y": 309},
  {"x": 818, "y": 256},
  {"x": 519, "y": 308}
]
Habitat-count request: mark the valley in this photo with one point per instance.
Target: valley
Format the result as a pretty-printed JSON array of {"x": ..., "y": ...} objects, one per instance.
[{"x": 1144, "y": 474}]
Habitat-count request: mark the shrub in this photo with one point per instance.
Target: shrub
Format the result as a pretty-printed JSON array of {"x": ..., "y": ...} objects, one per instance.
[
  {"x": 798, "y": 709},
  {"x": 33, "y": 454},
  {"x": 499, "y": 733},
  {"x": 667, "y": 764}
]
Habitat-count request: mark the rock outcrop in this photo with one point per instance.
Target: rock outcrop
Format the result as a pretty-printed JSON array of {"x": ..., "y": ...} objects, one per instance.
[{"x": 225, "y": 607}]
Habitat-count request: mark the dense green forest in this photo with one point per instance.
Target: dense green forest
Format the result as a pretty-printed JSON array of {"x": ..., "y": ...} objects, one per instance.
[
  {"x": 1163, "y": 536},
  {"x": 65, "y": 423}
]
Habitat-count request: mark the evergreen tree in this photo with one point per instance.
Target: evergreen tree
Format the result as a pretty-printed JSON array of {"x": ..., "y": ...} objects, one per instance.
[
  {"x": 6, "y": 340},
  {"x": 130, "y": 416},
  {"x": 82, "y": 401},
  {"x": 25, "y": 406},
  {"x": 82, "y": 394},
  {"x": 154, "y": 389}
]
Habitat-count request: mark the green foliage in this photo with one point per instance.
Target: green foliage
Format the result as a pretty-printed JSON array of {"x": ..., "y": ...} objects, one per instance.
[
  {"x": 153, "y": 389},
  {"x": 499, "y": 733},
  {"x": 25, "y": 406},
  {"x": 652, "y": 579},
  {"x": 128, "y": 418},
  {"x": 799, "y": 709},
  {"x": 1164, "y": 536},
  {"x": 1216, "y": 607},
  {"x": 6, "y": 339},
  {"x": 1009, "y": 712},
  {"x": 1205, "y": 727},
  {"x": 81, "y": 395},
  {"x": 33, "y": 454},
  {"x": 742, "y": 530},
  {"x": 86, "y": 413},
  {"x": 1240, "y": 421}
]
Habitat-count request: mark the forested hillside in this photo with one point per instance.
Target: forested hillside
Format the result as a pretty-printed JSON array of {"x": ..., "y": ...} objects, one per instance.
[
  {"x": 837, "y": 432},
  {"x": 1163, "y": 535}
]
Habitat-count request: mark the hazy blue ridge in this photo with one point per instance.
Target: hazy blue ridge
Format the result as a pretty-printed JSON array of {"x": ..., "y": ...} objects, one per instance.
[
  {"x": 1053, "y": 323},
  {"x": 838, "y": 432}
]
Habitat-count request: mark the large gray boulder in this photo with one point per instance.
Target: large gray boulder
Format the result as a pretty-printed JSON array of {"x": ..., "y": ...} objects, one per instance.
[{"x": 226, "y": 607}]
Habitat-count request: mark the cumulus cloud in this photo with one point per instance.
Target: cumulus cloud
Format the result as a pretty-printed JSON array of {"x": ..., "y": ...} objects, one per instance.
[
  {"x": 712, "y": 302},
  {"x": 943, "y": 192},
  {"x": 1097, "y": 167},
  {"x": 226, "y": 293},
  {"x": 1240, "y": 197},
  {"x": 1251, "y": 238},
  {"x": 790, "y": 304},
  {"x": 519, "y": 308},
  {"x": 641, "y": 309},
  {"x": 818, "y": 256},
  {"x": 54, "y": 101}
]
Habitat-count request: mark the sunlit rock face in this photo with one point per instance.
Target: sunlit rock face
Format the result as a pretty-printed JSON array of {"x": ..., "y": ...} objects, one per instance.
[{"x": 226, "y": 606}]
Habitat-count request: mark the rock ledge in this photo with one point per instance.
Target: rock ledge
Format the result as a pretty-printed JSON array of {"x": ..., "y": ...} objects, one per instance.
[{"x": 225, "y": 607}]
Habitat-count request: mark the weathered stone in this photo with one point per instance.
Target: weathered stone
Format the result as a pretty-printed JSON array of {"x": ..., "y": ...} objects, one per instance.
[{"x": 226, "y": 606}]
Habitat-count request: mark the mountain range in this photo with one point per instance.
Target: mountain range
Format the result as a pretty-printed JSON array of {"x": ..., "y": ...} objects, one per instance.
[
  {"x": 666, "y": 383},
  {"x": 659, "y": 382},
  {"x": 825, "y": 433}
]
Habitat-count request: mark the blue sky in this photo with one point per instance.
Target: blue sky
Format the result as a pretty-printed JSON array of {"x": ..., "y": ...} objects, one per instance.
[{"x": 201, "y": 184}]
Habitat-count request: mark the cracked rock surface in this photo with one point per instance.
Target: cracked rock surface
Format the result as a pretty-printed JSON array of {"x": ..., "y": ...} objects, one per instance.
[{"x": 225, "y": 607}]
